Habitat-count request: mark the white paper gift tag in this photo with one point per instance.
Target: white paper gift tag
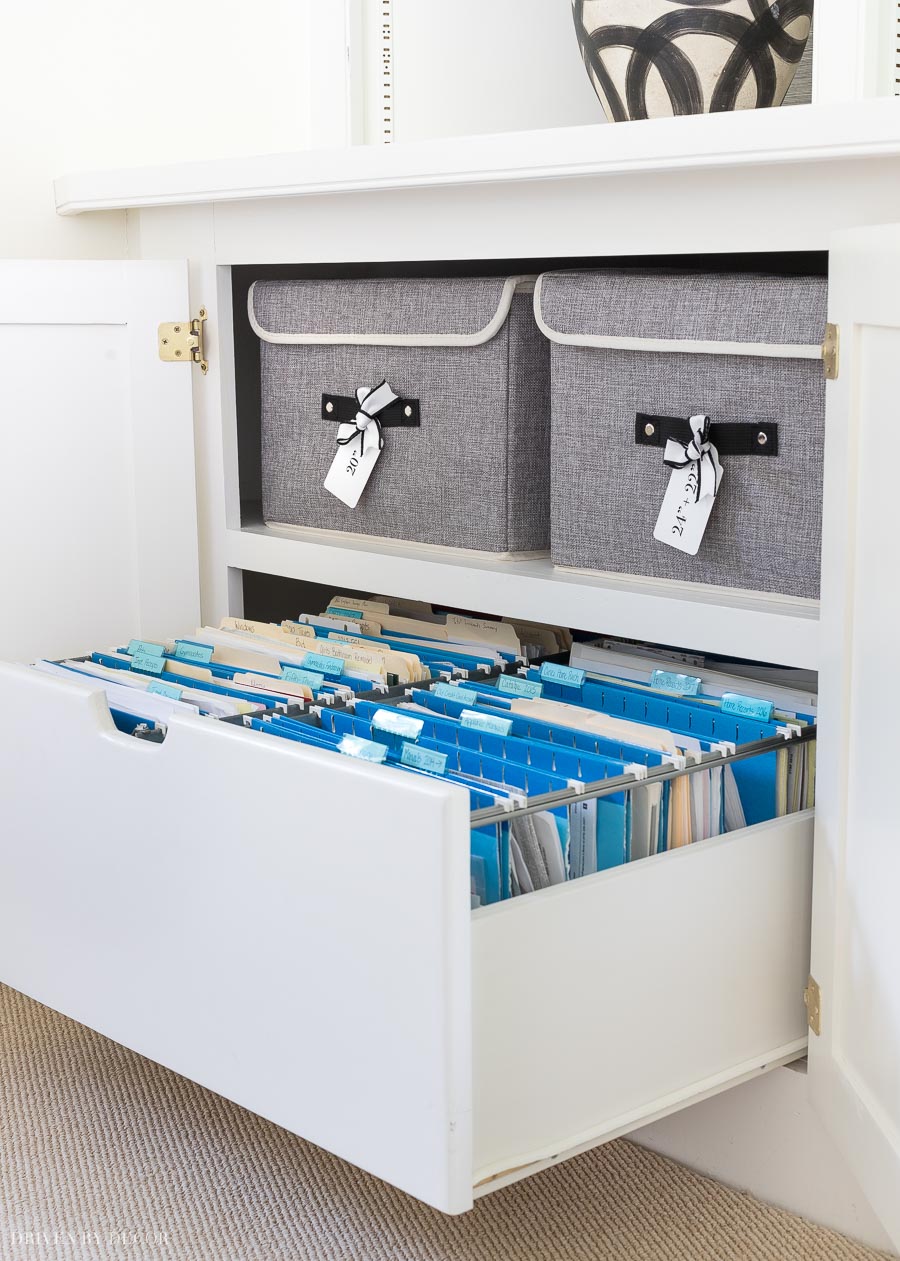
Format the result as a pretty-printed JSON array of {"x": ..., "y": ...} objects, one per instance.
[
  {"x": 683, "y": 518},
  {"x": 350, "y": 468},
  {"x": 359, "y": 445},
  {"x": 691, "y": 492}
]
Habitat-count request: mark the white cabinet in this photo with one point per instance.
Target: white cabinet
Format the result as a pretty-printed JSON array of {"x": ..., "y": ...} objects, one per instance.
[
  {"x": 97, "y": 488},
  {"x": 296, "y": 935},
  {"x": 854, "y": 1075}
]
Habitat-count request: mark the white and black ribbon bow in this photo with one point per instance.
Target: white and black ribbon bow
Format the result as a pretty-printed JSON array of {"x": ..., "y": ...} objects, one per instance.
[
  {"x": 700, "y": 452},
  {"x": 366, "y": 426}
]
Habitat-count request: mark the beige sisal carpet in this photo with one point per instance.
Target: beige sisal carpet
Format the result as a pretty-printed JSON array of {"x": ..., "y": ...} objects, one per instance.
[{"x": 106, "y": 1155}]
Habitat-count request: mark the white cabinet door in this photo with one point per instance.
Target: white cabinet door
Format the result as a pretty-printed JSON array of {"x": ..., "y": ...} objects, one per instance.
[
  {"x": 855, "y": 1062},
  {"x": 98, "y": 516}
]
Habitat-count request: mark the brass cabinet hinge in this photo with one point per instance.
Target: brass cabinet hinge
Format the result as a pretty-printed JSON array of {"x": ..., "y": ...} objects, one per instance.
[
  {"x": 812, "y": 997},
  {"x": 831, "y": 351},
  {"x": 183, "y": 342}
]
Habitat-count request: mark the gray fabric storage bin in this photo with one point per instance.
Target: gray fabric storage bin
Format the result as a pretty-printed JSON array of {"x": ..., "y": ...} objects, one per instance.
[
  {"x": 741, "y": 348},
  {"x": 475, "y": 473}
]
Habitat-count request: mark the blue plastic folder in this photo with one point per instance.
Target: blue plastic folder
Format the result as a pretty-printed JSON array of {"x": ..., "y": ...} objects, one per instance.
[
  {"x": 225, "y": 675},
  {"x": 530, "y": 729},
  {"x": 183, "y": 680},
  {"x": 683, "y": 716},
  {"x": 756, "y": 777},
  {"x": 523, "y": 765},
  {"x": 129, "y": 723}
]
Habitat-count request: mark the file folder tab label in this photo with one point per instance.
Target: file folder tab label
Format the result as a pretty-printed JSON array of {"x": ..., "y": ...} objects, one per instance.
[
  {"x": 423, "y": 759},
  {"x": 680, "y": 684},
  {"x": 332, "y": 666},
  {"x": 568, "y": 676},
  {"x": 334, "y": 611},
  {"x": 486, "y": 722},
  {"x": 515, "y": 685},
  {"x": 144, "y": 648},
  {"x": 450, "y": 692},
  {"x": 294, "y": 674},
  {"x": 370, "y": 606},
  {"x": 747, "y": 707},
  {"x": 367, "y": 750},
  {"x": 187, "y": 650},
  {"x": 398, "y": 724},
  {"x": 165, "y": 689},
  {"x": 146, "y": 664}
]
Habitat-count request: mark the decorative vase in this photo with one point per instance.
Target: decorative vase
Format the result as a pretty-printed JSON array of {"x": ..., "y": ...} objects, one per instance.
[{"x": 653, "y": 58}]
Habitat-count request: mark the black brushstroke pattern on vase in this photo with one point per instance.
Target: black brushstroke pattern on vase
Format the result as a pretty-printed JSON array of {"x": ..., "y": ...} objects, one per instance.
[{"x": 756, "y": 43}]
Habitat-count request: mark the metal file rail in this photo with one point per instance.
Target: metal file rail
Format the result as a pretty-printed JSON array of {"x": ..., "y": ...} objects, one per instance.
[{"x": 620, "y": 783}]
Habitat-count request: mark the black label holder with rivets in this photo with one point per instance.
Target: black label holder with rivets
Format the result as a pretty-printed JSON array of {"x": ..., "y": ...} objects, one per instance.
[
  {"x": 728, "y": 439},
  {"x": 404, "y": 413}
]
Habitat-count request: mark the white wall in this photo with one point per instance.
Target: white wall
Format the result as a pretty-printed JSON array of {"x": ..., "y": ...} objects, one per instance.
[
  {"x": 480, "y": 66},
  {"x": 108, "y": 83}
]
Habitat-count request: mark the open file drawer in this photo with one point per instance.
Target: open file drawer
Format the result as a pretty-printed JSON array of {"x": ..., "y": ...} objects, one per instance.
[{"x": 293, "y": 931}]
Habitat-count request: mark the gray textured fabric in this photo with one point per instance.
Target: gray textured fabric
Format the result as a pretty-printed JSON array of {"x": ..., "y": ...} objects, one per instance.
[
  {"x": 765, "y": 530},
  {"x": 736, "y": 307},
  {"x": 528, "y": 442},
  {"x": 377, "y": 306},
  {"x": 462, "y": 478}
]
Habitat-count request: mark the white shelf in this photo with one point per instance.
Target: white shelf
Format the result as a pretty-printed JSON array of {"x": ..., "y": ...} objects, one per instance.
[
  {"x": 763, "y": 627},
  {"x": 799, "y": 134}
]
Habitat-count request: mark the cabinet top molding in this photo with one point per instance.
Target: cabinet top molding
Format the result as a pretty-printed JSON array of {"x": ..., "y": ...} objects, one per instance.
[{"x": 747, "y": 138}]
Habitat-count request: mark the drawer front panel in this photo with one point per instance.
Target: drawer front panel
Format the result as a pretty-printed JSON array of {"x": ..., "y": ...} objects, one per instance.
[
  {"x": 285, "y": 927},
  {"x": 627, "y": 994}
]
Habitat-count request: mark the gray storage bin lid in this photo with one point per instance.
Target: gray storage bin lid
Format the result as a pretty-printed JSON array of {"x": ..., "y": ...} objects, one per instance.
[
  {"x": 685, "y": 312},
  {"x": 393, "y": 312}
]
